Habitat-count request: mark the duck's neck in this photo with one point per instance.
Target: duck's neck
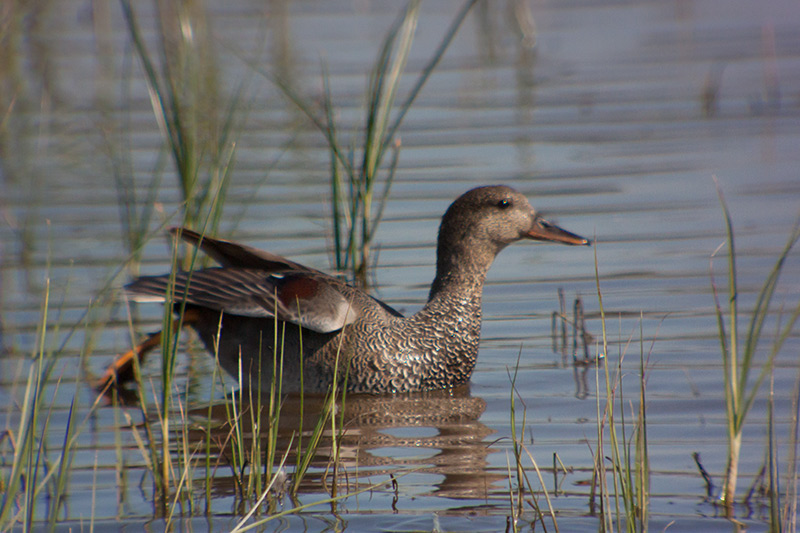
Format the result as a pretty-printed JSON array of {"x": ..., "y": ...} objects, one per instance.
[
  {"x": 452, "y": 318},
  {"x": 455, "y": 297},
  {"x": 460, "y": 270}
]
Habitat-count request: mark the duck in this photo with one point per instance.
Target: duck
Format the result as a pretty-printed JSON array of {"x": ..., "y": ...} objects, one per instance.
[{"x": 258, "y": 306}]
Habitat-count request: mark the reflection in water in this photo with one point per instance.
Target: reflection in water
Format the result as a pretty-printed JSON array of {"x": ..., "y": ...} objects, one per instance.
[
  {"x": 579, "y": 373},
  {"x": 580, "y": 338},
  {"x": 433, "y": 432}
]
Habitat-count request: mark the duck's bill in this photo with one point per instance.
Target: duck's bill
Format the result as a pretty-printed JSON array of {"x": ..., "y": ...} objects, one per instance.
[{"x": 543, "y": 230}]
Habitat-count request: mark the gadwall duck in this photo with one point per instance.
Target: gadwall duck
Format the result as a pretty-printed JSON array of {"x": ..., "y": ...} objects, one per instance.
[{"x": 257, "y": 297}]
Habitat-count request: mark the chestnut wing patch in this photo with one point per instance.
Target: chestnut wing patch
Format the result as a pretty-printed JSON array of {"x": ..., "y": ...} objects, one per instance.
[
  {"x": 303, "y": 298},
  {"x": 314, "y": 303}
]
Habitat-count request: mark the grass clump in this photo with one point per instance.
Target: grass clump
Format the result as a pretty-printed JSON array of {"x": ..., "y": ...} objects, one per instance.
[
  {"x": 28, "y": 448},
  {"x": 739, "y": 352},
  {"x": 38, "y": 472},
  {"x": 195, "y": 121},
  {"x": 523, "y": 483},
  {"x": 356, "y": 205},
  {"x": 627, "y": 449}
]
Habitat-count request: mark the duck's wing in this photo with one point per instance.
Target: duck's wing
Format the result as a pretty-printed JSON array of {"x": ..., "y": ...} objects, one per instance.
[
  {"x": 314, "y": 301},
  {"x": 233, "y": 254}
]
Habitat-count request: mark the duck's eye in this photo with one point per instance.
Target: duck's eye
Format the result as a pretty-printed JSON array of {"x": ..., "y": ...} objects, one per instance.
[{"x": 505, "y": 203}]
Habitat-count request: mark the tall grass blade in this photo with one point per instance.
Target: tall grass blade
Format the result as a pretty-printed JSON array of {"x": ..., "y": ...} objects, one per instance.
[
  {"x": 57, "y": 499},
  {"x": 772, "y": 463},
  {"x": 739, "y": 392},
  {"x": 357, "y": 209},
  {"x": 628, "y": 455},
  {"x": 184, "y": 95},
  {"x": 429, "y": 68},
  {"x": 789, "y": 512},
  {"x": 518, "y": 447},
  {"x": 33, "y": 472}
]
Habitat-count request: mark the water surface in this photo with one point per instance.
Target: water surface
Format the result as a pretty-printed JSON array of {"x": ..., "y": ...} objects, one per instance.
[{"x": 614, "y": 124}]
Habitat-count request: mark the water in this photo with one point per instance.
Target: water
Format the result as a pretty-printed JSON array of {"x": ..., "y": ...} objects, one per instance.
[{"x": 604, "y": 126}]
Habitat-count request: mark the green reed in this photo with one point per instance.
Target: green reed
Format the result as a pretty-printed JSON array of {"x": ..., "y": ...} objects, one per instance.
[
  {"x": 792, "y": 498},
  {"x": 523, "y": 481},
  {"x": 739, "y": 352},
  {"x": 28, "y": 450},
  {"x": 245, "y": 474},
  {"x": 170, "y": 485},
  {"x": 773, "y": 480},
  {"x": 36, "y": 471},
  {"x": 249, "y": 455},
  {"x": 334, "y": 400},
  {"x": 356, "y": 205},
  {"x": 352, "y": 194},
  {"x": 208, "y": 478},
  {"x": 195, "y": 121},
  {"x": 628, "y": 455}
]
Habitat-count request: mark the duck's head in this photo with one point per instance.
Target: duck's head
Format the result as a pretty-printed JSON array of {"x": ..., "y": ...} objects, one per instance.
[{"x": 488, "y": 219}]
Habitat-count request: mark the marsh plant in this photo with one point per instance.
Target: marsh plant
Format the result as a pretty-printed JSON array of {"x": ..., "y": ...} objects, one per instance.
[
  {"x": 359, "y": 167},
  {"x": 522, "y": 490},
  {"x": 739, "y": 362},
  {"x": 33, "y": 471},
  {"x": 196, "y": 121},
  {"x": 622, "y": 452}
]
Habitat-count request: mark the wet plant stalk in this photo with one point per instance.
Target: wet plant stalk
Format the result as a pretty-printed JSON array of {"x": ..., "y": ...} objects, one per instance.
[
  {"x": 356, "y": 206},
  {"x": 630, "y": 465},
  {"x": 518, "y": 446},
  {"x": 184, "y": 95},
  {"x": 737, "y": 367}
]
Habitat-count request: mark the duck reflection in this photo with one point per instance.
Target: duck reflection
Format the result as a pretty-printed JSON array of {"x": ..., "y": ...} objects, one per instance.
[{"x": 434, "y": 432}]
